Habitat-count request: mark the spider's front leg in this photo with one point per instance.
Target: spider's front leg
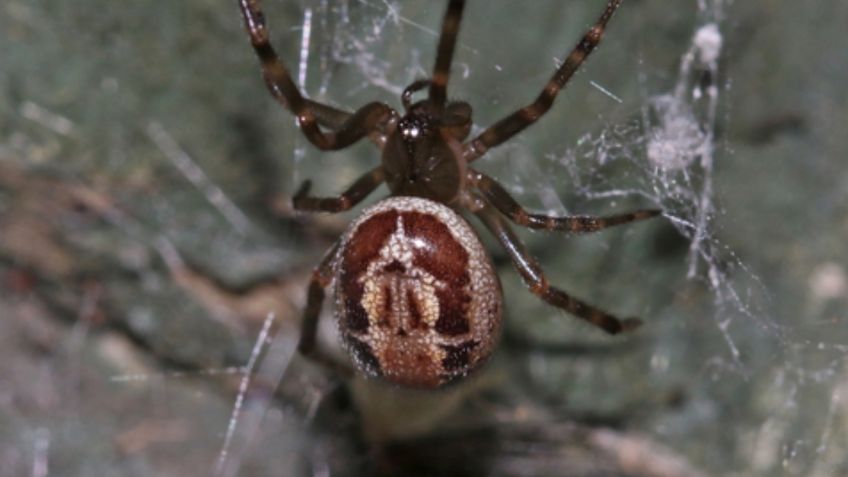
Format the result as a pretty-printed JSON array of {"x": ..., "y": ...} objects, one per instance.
[
  {"x": 347, "y": 128},
  {"x": 507, "y": 205},
  {"x": 322, "y": 276},
  {"x": 444, "y": 52},
  {"x": 519, "y": 120},
  {"x": 534, "y": 277}
]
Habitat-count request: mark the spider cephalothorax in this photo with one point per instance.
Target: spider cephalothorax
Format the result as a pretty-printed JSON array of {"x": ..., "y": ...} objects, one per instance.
[
  {"x": 422, "y": 156},
  {"x": 416, "y": 297}
]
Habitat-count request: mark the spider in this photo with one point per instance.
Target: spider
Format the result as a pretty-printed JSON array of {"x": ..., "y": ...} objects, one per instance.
[{"x": 417, "y": 300}]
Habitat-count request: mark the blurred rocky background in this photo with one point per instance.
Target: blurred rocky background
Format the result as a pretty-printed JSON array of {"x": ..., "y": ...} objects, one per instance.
[{"x": 152, "y": 272}]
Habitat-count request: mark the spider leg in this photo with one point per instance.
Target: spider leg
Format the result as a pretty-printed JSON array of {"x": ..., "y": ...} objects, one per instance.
[
  {"x": 507, "y": 205},
  {"x": 534, "y": 277},
  {"x": 444, "y": 54},
  {"x": 406, "y": 97},
  {"x": 349, "y": 198},
  {"x": 326, "y": 115},
  {"x": 321, "y": 279},
  {"x": 353, "y": 127},
  {"x": 524, "y": 117}
]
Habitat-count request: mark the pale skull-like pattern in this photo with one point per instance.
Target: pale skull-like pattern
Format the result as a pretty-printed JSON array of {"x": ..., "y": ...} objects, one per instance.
[{"x": 417, "y": 299}]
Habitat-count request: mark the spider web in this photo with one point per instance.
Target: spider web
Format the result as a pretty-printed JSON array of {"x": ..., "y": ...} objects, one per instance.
[{"x": 659, "y": 145}]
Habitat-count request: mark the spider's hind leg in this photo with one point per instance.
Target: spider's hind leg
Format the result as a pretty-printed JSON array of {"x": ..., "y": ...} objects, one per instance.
[
  {"x": 534, "y": 277},
  {"x": 308, "y": 345},
  {"x": 578, "y": 224}
]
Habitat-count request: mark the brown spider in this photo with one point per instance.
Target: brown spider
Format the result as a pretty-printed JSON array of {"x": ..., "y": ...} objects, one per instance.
[{"x": 416, "y": 297}]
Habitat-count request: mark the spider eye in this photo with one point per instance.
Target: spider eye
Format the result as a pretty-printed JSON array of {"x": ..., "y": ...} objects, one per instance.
[{"x": 414, "y": 128}]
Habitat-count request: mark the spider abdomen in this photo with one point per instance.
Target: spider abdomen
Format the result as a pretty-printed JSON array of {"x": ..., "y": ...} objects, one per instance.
[{"x": 417, "y": 299}]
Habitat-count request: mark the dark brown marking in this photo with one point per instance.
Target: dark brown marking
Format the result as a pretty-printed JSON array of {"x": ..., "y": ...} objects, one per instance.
[
  {"x": 394, "y": 267},
  {"x": 442, "y": 256},
  {"x": 447, "y": 260},
  {"x": 356, "y": 318},
  {"x": 364, "y": 356},
  {"x": 362, "y": 248},
  {"x": 388, "y": 298},
  {"x": 453, "y": 312},
  {"x": 458, "y": 357},
  {"x": 365, "y": 244},
  {"x": 415, "y": 321}
]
